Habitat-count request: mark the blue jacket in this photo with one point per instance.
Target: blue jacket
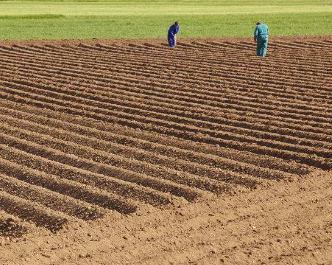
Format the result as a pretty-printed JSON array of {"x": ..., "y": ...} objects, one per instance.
[
  {"x": 173, "y": 30},
  {"x": 261, "y": 30}
]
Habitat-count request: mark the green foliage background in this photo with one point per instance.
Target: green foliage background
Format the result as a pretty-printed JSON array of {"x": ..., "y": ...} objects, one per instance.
[{"x": 64, "y": 19}]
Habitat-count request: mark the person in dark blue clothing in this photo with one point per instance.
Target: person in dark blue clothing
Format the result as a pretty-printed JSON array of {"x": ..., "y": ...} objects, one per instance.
[
  {"x": 173, "y": 30},
  {"x": 261, "y": 37}
]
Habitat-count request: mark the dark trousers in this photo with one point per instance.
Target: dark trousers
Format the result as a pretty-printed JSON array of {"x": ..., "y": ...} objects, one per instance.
[
  {"x": 171, "y": 41},
  {"x": 262, "y": 45}
]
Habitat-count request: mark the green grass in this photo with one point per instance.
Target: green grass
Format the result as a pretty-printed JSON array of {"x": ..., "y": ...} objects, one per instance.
[{"x": 150, "y": 19}]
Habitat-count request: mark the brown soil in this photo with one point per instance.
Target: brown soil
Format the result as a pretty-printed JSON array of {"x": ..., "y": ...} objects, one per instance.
[{"x": 128, "y": 152}]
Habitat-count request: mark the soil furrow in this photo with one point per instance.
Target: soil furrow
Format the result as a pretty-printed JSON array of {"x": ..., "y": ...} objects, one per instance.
[
  {"x": 167, "y": 121},
  {"x": 225, "y": 62},
  {"x": 32, "y": 212},
  {"x": 48, "y": 199},
  {"x": 10, "y": 227},
  {"x": 154, "y": 143},
  {"x": 28, "y": 170},
  {"x": 157, "y": 74},
  {"x": 206, "y": 152},
  {"x": 131, "y": 164},
  {"x": 245, "y": 91},
  {"x": 242, "y": 125},
  {"x": 107, "y": 170},
  {"x": 231, "y": 105},
  {"x": 117, "y": 146},
  {"x": 206, "y": 115},
  {"x": 285, "y": 154}
]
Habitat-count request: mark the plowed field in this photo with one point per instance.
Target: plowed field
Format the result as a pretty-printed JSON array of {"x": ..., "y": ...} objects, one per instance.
[{"x": 109, "y": 128}]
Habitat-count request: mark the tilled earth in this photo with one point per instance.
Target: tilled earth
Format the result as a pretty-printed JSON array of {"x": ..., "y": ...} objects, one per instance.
[{"x": 127, "y": 151}]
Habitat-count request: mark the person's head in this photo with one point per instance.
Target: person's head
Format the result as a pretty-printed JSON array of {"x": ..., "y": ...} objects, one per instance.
[
  {"x": 258, "y": 23},
  {"x": 176, "y": 23}
]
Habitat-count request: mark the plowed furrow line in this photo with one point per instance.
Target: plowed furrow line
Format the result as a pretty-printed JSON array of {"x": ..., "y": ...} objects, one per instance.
[
  {"x": 116, "y": 148},
  {"x": 272, "y": 63},
  {"x": 310, "y": 54},
  {"x": 162, "y": 46},
  {"x": 300, "y": 157},
  {"x": 284, "y": 45},
  {"x": 180, "y": 53},
  {"x": 154, "y": 48},
  {"x": 315, "y": 60},
  {"x": 95, "y": 167},
  {"x": 289, "y": 46},
  {"x": 130, "y": 163},
  {"x": 228, "y": 50},
  {"x": 192, "y": 47},
  {"x": 32, "y": 49},
  {"x": 213, "y": 85},
  {"x": 167, "y": 121},
  {"x": 164, "y": 146},
  {"x": 26, "y": 167},
  {"x": 128, "y": 50},
  {"x": 97, "y": 49},
  {"x": 210, "y": 50},
  {"x": 203, "y": 73},
  {"x": 232, "y": 65},
  {"x": 232, "y": 46},
  {"x": 223, "y": 66},
  {"x": 207, "y": 61},
  {"x": 226, "y": 45},
  {"x": 290, "y": 73},
  {"x": 33, "y": 212},
  {"x": 305, "y": 44},
  {"x": 308, "y": 116},
  {"x": 205, "y": 47},
  {"x": 60, "y": 102},
  {"x": 121, "y": 62},
  {"x": 304, "y": 106},
  {"x": 285, "y": 56},
  {"x": 205, "y": 115},
  {"x": 128, "y": 123},
  {"x": 128, "y": 147},
  {"x": 9, "y": 227},
  {"x": 307, "y": 59},
  {"x": 92, "y": 129},
  {"x": 199, "y": 117},
  {"x": 106, "y": 49},
  {"x": 136, "y": 49},
  {"x": 210, "y": 122},
  {"x": 206, "y": 107},
  {"x": 48, "y": 199},
  {"x": 200, "y": 44},
  {"x": 92, "y": 49}
]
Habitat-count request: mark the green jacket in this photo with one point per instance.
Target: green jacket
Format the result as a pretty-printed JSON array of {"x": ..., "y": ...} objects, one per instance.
[{"x": 261, "y": 30}]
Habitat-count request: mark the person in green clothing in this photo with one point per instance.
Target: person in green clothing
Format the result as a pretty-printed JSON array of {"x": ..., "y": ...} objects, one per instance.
[{"x": 261, "y": 37}]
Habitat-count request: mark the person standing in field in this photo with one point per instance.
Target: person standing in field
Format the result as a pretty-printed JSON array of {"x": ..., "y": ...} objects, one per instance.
[
  {"x": 261, "y": 37},
  {"x": 173, "y": 30}
]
